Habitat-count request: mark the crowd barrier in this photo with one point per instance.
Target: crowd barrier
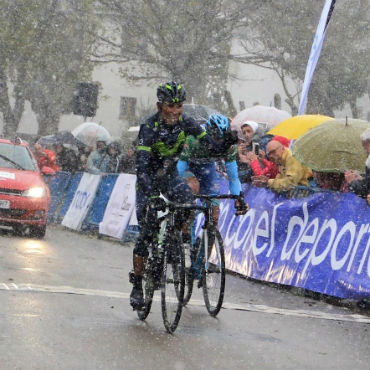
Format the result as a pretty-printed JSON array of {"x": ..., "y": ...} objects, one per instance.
[{"x": 308, "y": 238}]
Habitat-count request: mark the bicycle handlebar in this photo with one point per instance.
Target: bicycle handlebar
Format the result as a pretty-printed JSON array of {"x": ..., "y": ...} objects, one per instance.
[{"x": 241, "y": 207}]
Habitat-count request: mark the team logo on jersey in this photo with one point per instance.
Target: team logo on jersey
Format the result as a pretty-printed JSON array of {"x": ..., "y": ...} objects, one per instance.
[{"x": 163, "y": 133}]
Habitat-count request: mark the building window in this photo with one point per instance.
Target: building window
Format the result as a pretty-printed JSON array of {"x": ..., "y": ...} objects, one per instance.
[{"x": 127, "y": 108}]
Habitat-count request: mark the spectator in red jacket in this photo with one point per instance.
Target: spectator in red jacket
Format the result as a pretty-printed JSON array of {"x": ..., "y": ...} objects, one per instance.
[
  {"x": 262, "y": 166},
  {"x": 45, "y": 157}
]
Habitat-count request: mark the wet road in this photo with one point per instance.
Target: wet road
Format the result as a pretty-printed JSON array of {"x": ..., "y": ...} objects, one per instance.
[{"x": 64, "y": 305}]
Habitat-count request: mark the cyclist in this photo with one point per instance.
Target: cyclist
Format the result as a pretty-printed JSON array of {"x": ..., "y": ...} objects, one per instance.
[
  {"x": 160, "y": 141},
  {"x": 198, "y": 162}
]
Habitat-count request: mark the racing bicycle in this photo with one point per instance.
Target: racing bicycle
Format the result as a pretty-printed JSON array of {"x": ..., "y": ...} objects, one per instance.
[
  {"x": 165, "y": 268},
  {"x": 207, "y": 256}
]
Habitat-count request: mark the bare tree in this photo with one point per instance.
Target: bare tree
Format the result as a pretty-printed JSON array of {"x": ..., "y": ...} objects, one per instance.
[
  {"x": 280, "y": 38},
  {"x": 45, "y": 50},
  {"x": 184, "y": 40}
]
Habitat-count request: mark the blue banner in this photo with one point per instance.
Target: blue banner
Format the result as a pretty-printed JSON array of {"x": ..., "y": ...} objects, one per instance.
[{"x": 320, "y": 242}]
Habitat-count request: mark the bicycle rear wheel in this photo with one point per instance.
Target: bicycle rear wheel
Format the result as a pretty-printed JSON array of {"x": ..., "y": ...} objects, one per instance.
[
  {"x": 213, "y": 276},
  {"x": 173, "y": 283}
]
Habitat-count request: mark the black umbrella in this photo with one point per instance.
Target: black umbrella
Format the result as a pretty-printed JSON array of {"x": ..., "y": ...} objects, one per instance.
[
  {"x": 200, "y": 113},
  {"x": 61, "y": 137}
]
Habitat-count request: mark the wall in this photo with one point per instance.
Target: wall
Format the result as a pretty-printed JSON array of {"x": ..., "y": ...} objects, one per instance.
[{"x": 254, "y": 85}]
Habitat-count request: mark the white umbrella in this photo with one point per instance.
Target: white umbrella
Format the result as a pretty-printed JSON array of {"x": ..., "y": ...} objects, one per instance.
[
  {"x": 88, "y": 132},
  {"x": 265, "y": 116}
]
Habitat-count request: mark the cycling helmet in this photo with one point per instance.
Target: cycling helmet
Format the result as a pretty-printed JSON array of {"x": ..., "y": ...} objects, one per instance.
[
  {"x": 217, "y": 125},
  {"x": 171, "y": 92}
]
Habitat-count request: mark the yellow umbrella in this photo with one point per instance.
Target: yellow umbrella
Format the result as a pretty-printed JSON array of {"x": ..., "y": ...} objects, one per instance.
[{"x": 296, "y": 126}]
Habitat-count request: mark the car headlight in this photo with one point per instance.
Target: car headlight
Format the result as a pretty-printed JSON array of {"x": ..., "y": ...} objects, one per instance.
[{"x": 36, "y": 192}]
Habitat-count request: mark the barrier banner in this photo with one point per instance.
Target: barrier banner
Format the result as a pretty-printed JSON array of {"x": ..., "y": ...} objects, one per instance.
[
  {"x": 120, "y": 206},
  {"x": 320, "y": 242},
  {"x": 81, "y": 202},
  {"x": 58, "y": 185},
  {"x": 133, "y": 219},
  {"x": 101, "y": 200}
]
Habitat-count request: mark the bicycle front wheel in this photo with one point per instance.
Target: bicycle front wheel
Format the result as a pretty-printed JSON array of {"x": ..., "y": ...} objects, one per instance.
[
  {"x": 148, "y": 280},
  {"x": 213, "y": 275},
  {"x": 173, "y": 283},
  {"x": 189, "y": 273}
]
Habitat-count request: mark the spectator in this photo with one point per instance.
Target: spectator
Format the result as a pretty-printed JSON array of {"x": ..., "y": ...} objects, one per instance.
[
  {"x": 114, "y": 151},
  {"x": 127, "y": 162},
  {"x": 66, "y": 158},
  {"x": 45, "y": 157},
  {"x": 358, "y": 184},
  {"x": 245, "y": 151},
  {"x": 98, "y": 160},
  {"x": 331, "y": 181},
  {"x": 262, "y": 166},
  {"x": 84, "y": 153},
  {"x": 291, "y": 172}
]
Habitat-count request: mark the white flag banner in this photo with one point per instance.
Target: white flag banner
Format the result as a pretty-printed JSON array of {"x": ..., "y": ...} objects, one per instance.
[
  {"x": 315, "y": 53},
  {"x": 120, "y": 206},
  {"x": 82, "y": 201},
  {"x": 133, "y": 219}
]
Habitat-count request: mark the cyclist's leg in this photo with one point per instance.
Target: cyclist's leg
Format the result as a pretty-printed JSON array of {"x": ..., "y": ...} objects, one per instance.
[
  {"x": 208, "y": 180},
  {"x": 192, "y": 181},
  {"x": 140, "y": 252}
]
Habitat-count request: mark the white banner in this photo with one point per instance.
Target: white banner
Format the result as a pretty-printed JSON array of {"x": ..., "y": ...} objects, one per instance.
[
  {"x": 133, "y": 219},
  {"x": 315, "y": 53},
  {"x": 120, "y": 206},
  {"x": 82, "y": 201}
]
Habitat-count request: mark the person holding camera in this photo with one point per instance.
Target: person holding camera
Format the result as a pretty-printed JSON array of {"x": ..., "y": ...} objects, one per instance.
[
  {"x": 246, "y": 150},
  {"x": 291, "y": 172},
  {"x": 261, "y": 165}
]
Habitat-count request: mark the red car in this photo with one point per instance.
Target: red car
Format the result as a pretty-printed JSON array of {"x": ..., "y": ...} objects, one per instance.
[{"x": 24, "y": 196}]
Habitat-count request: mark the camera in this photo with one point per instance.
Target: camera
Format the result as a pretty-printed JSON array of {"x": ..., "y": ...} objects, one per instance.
[{"x": 256, "y": 148}]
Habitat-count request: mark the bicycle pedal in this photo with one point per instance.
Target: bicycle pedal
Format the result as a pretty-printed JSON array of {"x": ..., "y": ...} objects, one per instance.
[{"x": 131, "y": 277}]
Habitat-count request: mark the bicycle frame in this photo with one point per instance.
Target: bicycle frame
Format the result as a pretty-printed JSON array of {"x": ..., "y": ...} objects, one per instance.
[{"x": 208, "y": 225}]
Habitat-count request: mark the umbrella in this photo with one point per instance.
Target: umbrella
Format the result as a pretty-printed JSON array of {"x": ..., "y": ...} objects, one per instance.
[
  {"x": 296, "y": 126},
  {"x": 200, "y": 113},
  {"x": 333, "y": 146},
  {"x": 87, "y": 133},
  {"x": 61, "y": 137},
  {"x": 265, "y": 116}
]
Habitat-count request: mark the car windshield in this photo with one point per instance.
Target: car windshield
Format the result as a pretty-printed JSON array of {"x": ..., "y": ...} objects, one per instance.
[{"x": 16, "y": 156}]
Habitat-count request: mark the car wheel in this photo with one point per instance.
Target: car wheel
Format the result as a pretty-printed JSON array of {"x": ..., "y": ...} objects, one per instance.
[
  {"x": 18, "y": 230},
  {"x": 38, "y": 231}
]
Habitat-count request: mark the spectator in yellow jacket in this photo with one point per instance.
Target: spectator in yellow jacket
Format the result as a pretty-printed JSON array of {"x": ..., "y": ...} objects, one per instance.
[{"x": 291, "y": 172}]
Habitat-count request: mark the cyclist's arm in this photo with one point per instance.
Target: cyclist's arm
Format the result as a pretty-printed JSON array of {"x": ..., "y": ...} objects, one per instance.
[
  {"x": 232, "y": 173},
  {"x": 192, "y": 128},
  {"x": 182, "y": 166},
  {"x": 143, "y": 155}
]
